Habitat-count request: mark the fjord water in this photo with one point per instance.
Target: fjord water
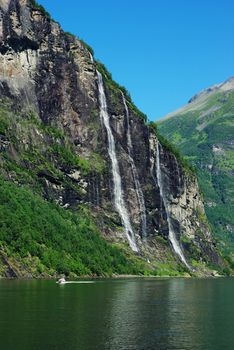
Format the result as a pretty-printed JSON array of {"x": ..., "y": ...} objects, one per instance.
[{"x": 130, "y": 314}]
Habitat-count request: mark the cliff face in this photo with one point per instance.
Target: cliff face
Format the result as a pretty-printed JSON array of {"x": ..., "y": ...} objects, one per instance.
[{"x": 56, "y": 140}]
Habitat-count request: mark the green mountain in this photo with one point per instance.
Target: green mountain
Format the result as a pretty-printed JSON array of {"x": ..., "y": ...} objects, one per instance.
[
  {"x": 203, "y": 131},
  {"x": 85, "y": 186}
]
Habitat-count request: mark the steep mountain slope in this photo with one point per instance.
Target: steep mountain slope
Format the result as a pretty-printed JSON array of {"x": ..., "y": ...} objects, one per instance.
[
  {"x": 203, "y": 131},
  {"x": 72, "y": 135}
]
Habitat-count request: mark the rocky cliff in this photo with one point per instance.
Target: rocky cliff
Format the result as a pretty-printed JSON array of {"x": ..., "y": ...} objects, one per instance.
[{"x": 73, "y": 135}]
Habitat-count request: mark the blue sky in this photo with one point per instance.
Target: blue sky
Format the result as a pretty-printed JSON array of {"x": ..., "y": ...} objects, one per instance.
[{"x": 162, "y": 51}]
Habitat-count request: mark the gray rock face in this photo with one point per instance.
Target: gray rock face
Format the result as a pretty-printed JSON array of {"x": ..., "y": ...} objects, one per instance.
[{"x": 50, "y": 75}]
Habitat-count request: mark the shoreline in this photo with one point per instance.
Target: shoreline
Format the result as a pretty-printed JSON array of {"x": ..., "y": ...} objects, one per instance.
[{"x": 114, "y": 277}]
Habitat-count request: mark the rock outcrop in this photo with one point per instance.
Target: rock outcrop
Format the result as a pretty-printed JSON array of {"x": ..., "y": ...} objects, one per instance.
[{"x": 49, "y": 84}]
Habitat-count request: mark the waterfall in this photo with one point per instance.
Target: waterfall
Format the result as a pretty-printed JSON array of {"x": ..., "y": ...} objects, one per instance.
[
  {"x": 91, "y": 57},
  {"x": 97, "y": 192},
  {"x": 139, "y": 193},
  {"x": 118, "y": 192},
  {"x": 172, "y": 235}
]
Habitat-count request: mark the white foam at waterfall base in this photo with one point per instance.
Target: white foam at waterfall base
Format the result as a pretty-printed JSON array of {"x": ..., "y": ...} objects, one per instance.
[
  {"x": 172, "y": 235},
  {"x": 118, "y": 193},
  {"x": 139, "y": 193}
]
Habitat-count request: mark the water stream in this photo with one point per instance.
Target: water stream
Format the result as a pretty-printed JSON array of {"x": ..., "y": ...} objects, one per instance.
[
  {"x": 118, "y": 192},
  {"x": 172, "y": 235},
  {"x": 139, "y": 193},
  {"x": 91, "y": 57}
]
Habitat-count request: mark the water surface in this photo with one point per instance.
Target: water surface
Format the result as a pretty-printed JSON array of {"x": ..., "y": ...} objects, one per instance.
[{"x": 130, "y": 314}]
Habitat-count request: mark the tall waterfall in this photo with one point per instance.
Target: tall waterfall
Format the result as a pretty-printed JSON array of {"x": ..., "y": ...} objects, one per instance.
[
  {"x": 118, "y": 192},
  {"x": 139, "y": 193},
  {"x": 91, "y": 57},
  {"x": 172, "y": 235}
]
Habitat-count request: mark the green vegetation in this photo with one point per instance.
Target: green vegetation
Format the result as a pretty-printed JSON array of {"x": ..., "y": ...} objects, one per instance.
[
  {"x": 168, "y": 269},
  {"x": 171, "y": 148},
  {"x": 39, "y": 236},
  {"x": 202, "y": 217},
  {"x": 204, "y": 135},
  {"x": 47, "y": 14},
  {"x": 68, "y": 159},
  {"x": 135, "y": 110},
  {"x": 87, "y": 46},
  {"x": 40, "y": 8},
  {"x": 4, "y": 116},
  {"x": 108, "y": 78},
  {"x": 37, "y": 162},
  {"x": 114, "y": 91},
  {"x": 3, "y": 125},
  {"x": 70, "y": 34},
  {"x": 188, "y": 245},
  {"x": 53, "y": 132},
  {"x": 63, "y": 241},
  {"x": 46, "y": 160},
  {"x": 97, "y": 163},
  {"x": 44, "y": 239}
]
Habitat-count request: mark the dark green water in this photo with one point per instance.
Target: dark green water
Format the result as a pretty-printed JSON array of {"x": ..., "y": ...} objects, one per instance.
[{"x": 127, "y": 314}]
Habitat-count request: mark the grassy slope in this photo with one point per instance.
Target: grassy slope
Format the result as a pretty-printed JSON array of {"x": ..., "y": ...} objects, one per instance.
[
  {"x": 49, "y": 239},
  {"x": 38, "y": 237},
  {"x": 195, "y": 133},
  {"x": 70, "y": 242}
]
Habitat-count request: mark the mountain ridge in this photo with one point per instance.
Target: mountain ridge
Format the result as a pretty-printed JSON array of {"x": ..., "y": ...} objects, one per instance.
[
  {"x": 195, "y": 101},
  {"x": 203, "y": 131},
  {"x": 65, "y": 136}
]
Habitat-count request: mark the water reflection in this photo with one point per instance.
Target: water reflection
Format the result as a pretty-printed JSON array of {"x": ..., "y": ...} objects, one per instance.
[
  {"x": 131, "y": 314},
  {"x": 194, "y": 315},
  {"x": 133, "y": 324}
]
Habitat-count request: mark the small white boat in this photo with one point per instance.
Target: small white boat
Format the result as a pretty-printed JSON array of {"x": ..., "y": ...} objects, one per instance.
[{"x": 61, "y": 281}]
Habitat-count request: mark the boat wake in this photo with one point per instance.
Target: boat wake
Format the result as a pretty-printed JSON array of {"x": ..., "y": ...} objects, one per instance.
[{"x": 75, "y": 282}]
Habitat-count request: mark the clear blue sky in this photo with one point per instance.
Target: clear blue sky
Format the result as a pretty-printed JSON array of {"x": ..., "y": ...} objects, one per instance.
[{"x": 162, "y": 51}]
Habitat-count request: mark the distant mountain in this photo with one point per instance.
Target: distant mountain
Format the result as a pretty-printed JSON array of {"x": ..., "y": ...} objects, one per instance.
[{"x": 203, "y": 131}]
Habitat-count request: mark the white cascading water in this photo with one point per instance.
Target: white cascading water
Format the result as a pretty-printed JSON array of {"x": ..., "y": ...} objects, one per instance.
[
  {"x": 118, "y": 193},
  {"x": 172, "y": 235},
  {"x": 97, "y": 194},
  {"x": 139, "y": 193},
  {"x": 91, "y": 57}
]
